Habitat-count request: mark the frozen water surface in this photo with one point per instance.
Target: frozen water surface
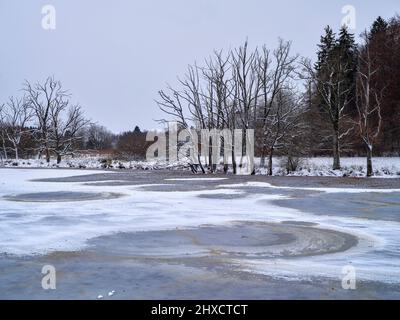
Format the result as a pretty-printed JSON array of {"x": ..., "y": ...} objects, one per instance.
[{"x": 241, "y": 225}]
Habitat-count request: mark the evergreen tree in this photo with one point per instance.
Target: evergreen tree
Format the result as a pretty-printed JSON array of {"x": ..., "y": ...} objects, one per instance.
[
  {"x": 347, "y": 46},
  {"x": 384, "y": 47},
  {"x": 348, "y": 52},
  {"x": 325, "y": 54},
  {"x": 326, "y": 46},
  {"x": 378, "y": 27},
  {"x": 335, "y": 73}
]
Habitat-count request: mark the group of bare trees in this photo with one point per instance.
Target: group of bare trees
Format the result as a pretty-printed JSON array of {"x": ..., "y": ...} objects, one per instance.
[
  {"x": 259, "y": 89},
  {"x": 243, "y": 89},
  {"x": 46, "y": 115}
]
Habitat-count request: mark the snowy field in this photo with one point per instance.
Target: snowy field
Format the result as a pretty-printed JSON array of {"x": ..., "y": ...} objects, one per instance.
[
  {"x": 42, "y": 225},
  {"x": 387, "y": 167}
]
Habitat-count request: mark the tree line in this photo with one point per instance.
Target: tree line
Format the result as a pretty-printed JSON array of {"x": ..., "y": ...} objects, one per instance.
[
  {"x": 44, "y": 123},
  {"x": 346, "y": 103}
]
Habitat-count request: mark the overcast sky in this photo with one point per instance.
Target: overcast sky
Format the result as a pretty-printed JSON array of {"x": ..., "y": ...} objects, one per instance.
[{"x": 114, "y": 56}]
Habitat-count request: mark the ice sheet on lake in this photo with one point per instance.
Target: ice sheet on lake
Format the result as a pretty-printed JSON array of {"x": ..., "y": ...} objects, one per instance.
[{"x": 27, "y": 228}]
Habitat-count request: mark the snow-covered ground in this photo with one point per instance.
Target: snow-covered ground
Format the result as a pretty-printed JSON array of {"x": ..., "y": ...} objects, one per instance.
[
  {"x": 384, "y": 167},
  {"x": 352, "y": 167},
  {"x": 91, "y": 162},
  {"x": 35, "y": 228}
]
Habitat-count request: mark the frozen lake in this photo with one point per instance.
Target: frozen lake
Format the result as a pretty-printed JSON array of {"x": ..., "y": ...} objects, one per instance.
[{"x": 160, "y": 234}]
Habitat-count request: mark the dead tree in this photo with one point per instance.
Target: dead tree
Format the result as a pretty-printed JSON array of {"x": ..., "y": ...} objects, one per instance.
[{"x": 369, "y": 99}]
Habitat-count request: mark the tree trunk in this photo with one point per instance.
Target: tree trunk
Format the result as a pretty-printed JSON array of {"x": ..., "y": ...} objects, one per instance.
[
  {"x": 336, "y": 151},
  {"x": 4, "y": 150},
  {"x": 47, "y": 155},
  {"x": 270, "y": 162},
  {"x": 210, "y": 163},
  {"x": 193, "y": 168},
  {"x": 369, "y": 161},
  {"x": 201, "y": 166},
  {"x": 244, "y": 148},
  {"x": 58, "y": 158},
  {"x": 234, "y": 166},
  {"x": 262, "y": 160}
]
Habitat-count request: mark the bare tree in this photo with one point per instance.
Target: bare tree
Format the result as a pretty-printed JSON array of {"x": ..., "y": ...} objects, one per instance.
[
  {"x": 3, "y": 134},
  {"x": 98, "y": 137},
  {"x": 217, "y": 99},
  {"x": 244, "y": 64},
  {"x": 283, "y": 123},
  {"x": 184, "y": 106},
  {"x": 332, "y": 87},
  {"x": 202, "y": 102},
  {"x": 369, "y": 99},
  {"x": 58, "y": 123},
  {"x": 66, "y": 123},
  {"x": 275, "y": 74},
  {"x": 16, "y": 115}
]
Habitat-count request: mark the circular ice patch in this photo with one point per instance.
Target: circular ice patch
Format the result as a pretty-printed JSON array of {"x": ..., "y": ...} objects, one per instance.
[
  {"x": 235, "y": 240},
  {"x": 62, "y": 196}
]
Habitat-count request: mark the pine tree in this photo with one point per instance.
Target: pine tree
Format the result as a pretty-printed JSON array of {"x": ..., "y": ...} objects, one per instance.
[
  {"x": 347, "y": 45},
  {"x": 325, "y": 55},
  {"x": 378, "y": 27},
  {"x": 348, "y": 52},
  {"x": 326, "y": 46}
]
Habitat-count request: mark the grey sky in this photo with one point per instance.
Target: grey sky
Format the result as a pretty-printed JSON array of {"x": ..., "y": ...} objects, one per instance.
[{"x": 115, "y": 55}]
